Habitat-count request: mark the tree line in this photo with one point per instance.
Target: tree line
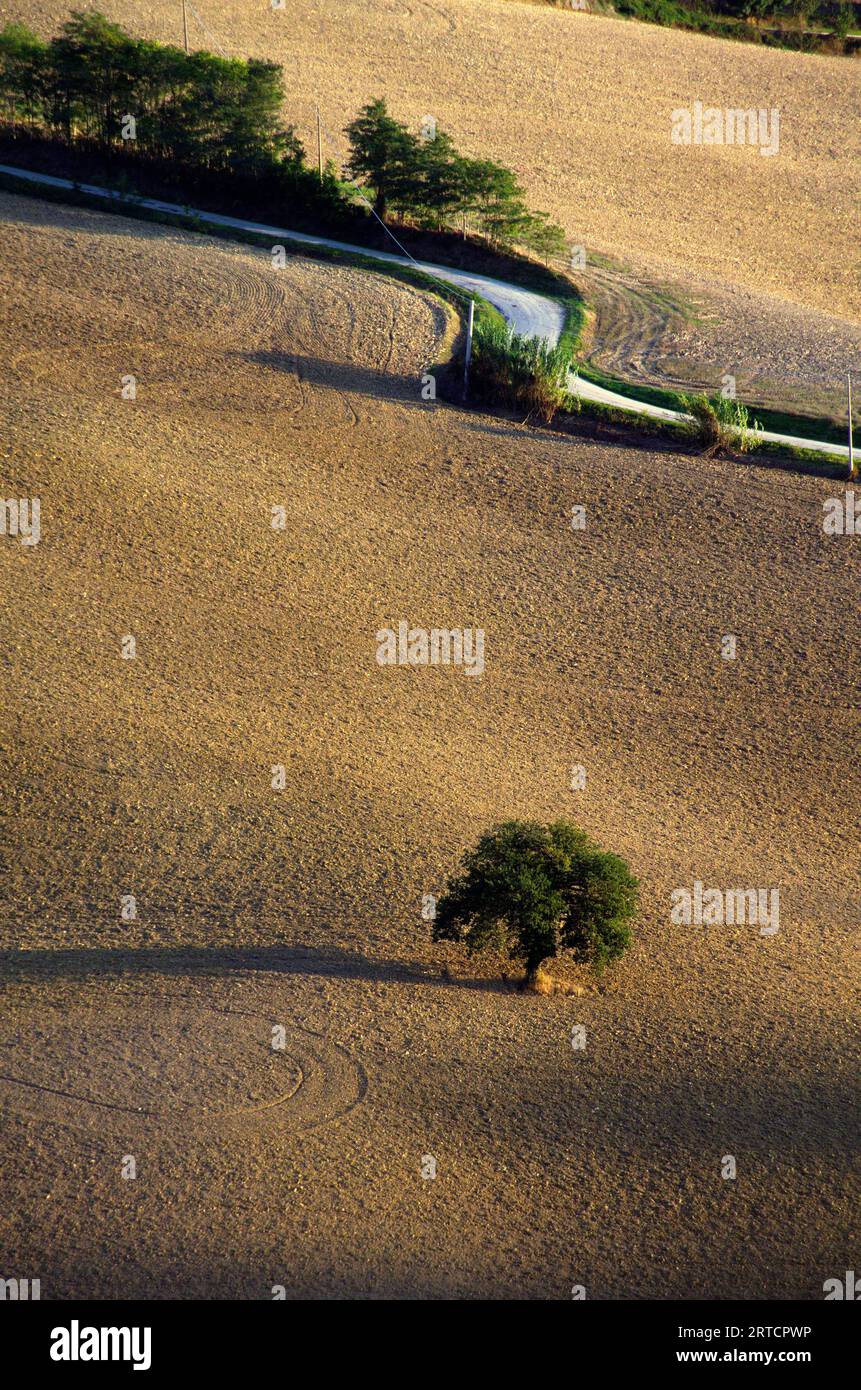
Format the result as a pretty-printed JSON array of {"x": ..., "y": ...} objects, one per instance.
[
  {"x": 807, "y": 25},
  {"x": 200, "y": 113},
  {"x": 827, "y": 12},
  {"x": 425, "y": 181},
  {"x": 194, "y": 108}
]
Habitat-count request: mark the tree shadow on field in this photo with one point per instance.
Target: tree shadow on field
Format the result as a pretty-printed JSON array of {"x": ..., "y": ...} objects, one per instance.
[
  {"x": 32, "y": 966},
  {"x": 350, "y": 377},
  {"x": 581, "y": 431},
  {"x": 356, "y": 379}
]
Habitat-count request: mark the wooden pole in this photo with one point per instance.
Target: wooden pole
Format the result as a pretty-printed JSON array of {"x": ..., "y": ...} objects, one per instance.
[
  {"x": 468, "y": 354},
  {"x": 184, "y": 26},
  {"x": 319, "y": 146},
  {"x": 851, "y": 451}
]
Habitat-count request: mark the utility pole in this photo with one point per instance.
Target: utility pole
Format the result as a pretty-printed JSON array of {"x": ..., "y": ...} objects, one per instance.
[
  {"x": 851, "y": 452},
  {"x": 184, "y": 26},
  {"x": 468, "y": 354},
  {"x": 319, "y": 146}
]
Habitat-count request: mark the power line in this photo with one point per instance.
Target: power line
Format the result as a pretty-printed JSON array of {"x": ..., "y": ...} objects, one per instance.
[
  {"x": 206, "y": 31},
  {"x": 446, "y": 284},
  {"x": 320, "y": 127}
]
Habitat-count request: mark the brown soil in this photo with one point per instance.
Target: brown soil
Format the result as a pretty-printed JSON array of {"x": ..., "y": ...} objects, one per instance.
[
  {"x": 691, "y": 332},
  {"x": 302, "y": 907}
]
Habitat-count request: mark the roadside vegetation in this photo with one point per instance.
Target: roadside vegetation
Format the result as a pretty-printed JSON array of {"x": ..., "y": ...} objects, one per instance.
[
  {"x": 826, "y": 429},
  {"x": 518, "y": 372},
  {"x": 720, "y": 425}
]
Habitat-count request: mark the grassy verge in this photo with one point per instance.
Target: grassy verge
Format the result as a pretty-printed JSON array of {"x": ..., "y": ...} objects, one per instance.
[
  {"x": 776, "y": 421},
  {"x": 515, "y": 374},
  {"x": 594, "y": 420},
  {"x": 574, "y": 309}
]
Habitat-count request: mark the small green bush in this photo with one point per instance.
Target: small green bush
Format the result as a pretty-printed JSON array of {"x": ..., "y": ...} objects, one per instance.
[{"x": 720, "y": 425}]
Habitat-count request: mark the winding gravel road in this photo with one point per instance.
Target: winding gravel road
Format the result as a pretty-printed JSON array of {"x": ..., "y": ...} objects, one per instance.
[{"x": 527, "y": 312}]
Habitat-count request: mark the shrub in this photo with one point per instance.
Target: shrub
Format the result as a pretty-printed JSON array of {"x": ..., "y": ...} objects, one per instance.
[
  {"x": 720, "y": 425},
  {"x": 536, "y": 891},
  {"x": 513, "y": 370}
]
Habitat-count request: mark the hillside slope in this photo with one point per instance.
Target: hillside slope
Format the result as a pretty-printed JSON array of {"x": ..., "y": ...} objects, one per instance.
[
  {"x": 302, "y": 907},
  {"x": 721, "y": 260}
]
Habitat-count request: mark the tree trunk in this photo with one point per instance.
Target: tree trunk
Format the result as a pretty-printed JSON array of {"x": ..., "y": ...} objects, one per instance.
[{"x": 533, "y": 965}]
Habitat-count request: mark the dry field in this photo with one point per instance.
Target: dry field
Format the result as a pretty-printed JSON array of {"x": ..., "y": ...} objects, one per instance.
[
  {"x": 301, "y": 908},
  {"x": 765, "y": 250}
]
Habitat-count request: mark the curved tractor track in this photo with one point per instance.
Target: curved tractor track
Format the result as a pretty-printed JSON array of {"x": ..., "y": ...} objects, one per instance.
[
  {"x": 161, "y": 1063},
  {"x": 633, "y": 323}
]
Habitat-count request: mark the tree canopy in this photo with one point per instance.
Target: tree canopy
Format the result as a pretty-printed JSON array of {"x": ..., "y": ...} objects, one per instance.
[
  {"x": 193, "y": 108},
  {"x": 536, "y": 891},
  {"x": 207, "y": 115},
  {"x": 428, "y": 183}
]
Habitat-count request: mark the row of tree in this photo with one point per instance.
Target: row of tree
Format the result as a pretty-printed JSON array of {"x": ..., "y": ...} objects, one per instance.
[
  {"x": 830, "y": 13},
  {"x": 805, "y": 24},
  {"x": 194, "y": 108},
  {"x": 425, "y": 181},
  {"x": 198, "y": 112}
]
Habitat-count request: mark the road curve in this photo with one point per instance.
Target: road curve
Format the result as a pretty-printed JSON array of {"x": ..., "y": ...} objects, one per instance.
[{"x": 527, "y": 312}]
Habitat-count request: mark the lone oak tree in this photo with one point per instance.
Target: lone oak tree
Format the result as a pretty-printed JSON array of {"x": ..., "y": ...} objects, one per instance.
[{"x": 538, "y": 890}]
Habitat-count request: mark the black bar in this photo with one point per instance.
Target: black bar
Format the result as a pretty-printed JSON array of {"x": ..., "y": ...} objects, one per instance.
[{"x": 226, "y": 1339}]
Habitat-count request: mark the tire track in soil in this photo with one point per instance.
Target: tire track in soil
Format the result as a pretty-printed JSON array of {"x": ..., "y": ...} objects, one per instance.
[
  {"x": 634, "y": 323},
  {"x": 336, "y": 297},
  {"x": 161, "y": 1049}
]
